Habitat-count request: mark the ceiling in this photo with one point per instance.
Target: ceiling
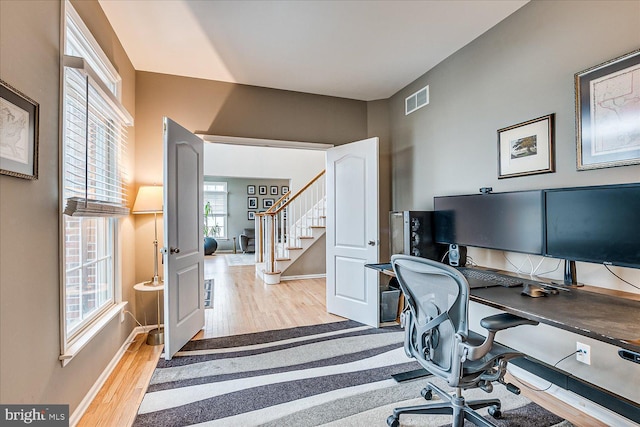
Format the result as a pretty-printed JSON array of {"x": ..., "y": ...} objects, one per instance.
[{"x": 363, "y": 50}]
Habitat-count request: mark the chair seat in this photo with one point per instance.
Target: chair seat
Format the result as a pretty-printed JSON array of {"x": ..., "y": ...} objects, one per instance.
[{"x": 498, "y": 351}]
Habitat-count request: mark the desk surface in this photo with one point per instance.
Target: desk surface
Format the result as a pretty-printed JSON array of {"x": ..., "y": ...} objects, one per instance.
[
  {"x": 607, "y": 318},
  {"x": 593, "y": 312}
]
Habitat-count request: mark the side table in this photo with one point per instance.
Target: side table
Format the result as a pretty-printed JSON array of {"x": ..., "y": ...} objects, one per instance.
[{"x": 155, "y": 336}]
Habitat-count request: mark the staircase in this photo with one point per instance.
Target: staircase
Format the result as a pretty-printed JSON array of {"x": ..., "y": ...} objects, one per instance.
[{"x": 289, "y": 228}]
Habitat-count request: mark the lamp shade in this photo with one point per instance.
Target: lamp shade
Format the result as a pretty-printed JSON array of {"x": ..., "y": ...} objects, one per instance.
[{"x": 148, "y": 200}]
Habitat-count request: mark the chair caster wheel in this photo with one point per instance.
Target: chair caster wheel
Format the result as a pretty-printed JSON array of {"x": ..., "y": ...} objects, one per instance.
[
  {"x": 495, "y": 412},
  {"x": 426, "y": 393},
  {"x": 392, "y": 421}
]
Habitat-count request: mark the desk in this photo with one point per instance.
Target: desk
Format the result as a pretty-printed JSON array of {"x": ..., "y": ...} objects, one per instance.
[
  {"x": 155, "y": 336},
  {"x": 609, "y": 316}
]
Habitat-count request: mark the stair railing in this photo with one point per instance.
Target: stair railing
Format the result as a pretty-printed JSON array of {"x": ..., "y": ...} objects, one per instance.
[{"x": 289, "y": 220}]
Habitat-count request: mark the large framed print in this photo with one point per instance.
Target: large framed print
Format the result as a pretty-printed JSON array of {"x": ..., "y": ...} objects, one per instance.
[
  {"x": 19, "y": 117},
  {"x": 526, "y": 148},
  {"x": 608, "y": 113}
]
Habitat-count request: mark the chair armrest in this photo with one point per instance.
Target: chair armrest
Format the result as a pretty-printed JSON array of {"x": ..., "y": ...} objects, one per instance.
[
  {"x": 494, "y": 324},
  {"x": 502, "y": 321}
]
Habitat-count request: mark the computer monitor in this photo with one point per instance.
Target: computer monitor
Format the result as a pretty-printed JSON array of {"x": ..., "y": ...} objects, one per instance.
[
  {"x": 594, "y": 224},
  {"x": 512, "y": 221}
]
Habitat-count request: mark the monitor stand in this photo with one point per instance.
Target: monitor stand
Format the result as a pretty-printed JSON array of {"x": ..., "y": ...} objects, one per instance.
[{"x": 570, "y": 275}]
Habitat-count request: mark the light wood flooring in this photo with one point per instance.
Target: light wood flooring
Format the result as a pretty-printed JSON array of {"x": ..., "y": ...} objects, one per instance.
[{"x": 242, "y": 304}]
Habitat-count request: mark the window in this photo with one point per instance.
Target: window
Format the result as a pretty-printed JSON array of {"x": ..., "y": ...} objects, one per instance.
[
  {"x": 215, "y": 220},
  {"x": 93, "y": 185}
]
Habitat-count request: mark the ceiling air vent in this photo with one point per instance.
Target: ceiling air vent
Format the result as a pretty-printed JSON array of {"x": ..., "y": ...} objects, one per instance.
[{"x": 416, "y": 101}]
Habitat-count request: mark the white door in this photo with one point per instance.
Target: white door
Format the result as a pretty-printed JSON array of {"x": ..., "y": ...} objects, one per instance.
[
  {"x": 183, "y": 228},
  {"x": 353, "y": 231}
]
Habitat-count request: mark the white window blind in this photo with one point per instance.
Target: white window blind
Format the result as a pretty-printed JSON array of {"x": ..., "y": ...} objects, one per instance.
[
  {"x": 95, "y": 147},
  {"x": 215, "y": 194}
]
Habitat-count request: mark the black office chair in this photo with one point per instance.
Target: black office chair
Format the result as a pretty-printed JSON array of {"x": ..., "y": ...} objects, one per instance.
[{"x": 436, "y": 333}]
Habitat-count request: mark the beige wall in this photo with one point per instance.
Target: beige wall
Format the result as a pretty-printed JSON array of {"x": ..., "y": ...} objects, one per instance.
[
  {"x": 29, "y": 219},
  {"x": 521, "y": 69},
  {"x": 219, "y": 108}
]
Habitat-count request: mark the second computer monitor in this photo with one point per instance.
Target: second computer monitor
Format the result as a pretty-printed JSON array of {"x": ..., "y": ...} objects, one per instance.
[{"x": 511, "y": 221}]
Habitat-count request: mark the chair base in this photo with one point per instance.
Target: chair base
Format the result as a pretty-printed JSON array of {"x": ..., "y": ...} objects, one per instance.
[{"x": 451, "y": 404}]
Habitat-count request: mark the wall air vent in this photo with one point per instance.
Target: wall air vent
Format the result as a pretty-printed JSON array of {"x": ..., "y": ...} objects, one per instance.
[{"x": 416, "y": 101}]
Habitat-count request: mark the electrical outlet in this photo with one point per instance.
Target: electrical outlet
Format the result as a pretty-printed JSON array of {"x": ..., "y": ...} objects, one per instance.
[{"x": 584, "y": 353}]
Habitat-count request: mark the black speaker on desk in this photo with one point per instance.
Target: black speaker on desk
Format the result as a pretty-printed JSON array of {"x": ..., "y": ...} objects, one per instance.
[{"x": 457, "y": 255}]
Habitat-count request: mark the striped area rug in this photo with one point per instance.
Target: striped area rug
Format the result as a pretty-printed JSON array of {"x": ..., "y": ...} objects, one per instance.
[{"x": 336, "y": 374}]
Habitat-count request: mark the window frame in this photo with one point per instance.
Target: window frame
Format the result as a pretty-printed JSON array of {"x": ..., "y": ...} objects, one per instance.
[
  {"x": 72, "y": 342},
  {"x": 225, "y": 215}
]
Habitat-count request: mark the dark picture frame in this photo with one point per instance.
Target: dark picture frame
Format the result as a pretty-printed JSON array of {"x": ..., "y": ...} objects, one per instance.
[
  {"x": 252, "y": 203},
  {"x": 251, "y": 189},
  {"x": 20, "y": 117},
  {"x": 267, "y": 203},
  {"x": 527, "y": 148},
  {"x": 251, "y": 215},
  {"x": 273, "y": 190},
  {"x": 607, "y": 119},
  {"x": 262, "y": 190},
  {"x": 285, "y": 189}
]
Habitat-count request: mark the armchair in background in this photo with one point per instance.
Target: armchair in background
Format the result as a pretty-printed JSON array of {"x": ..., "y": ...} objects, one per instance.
[
  {"x": 435, "y": 321},
  {"x": 248, "y": 240}
]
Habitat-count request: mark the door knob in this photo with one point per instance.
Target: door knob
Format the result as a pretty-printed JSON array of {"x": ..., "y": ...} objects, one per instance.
[
  {"x": 371, "y": 243},
  {"x": 174, "y": 250}
]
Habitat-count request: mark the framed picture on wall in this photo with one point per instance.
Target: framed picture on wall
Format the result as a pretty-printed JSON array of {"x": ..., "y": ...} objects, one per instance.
[
  {"x": 608, "y": 113},
  {"x": 19, "y": 117},
  {"x": 267, "y": 203},
  {"x": 252, "y": 203},
  {"x": 274, "y": 190},
  {"x": 285, "y": 189},
  {"x": 251, "y": 215},
  {"x": 262, "y": 190},
  {"x": 251, "y": 189},
  {"x": 526, "y": 148}
]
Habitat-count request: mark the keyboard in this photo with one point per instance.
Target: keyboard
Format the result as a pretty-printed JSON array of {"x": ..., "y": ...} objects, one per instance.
[{"x": 486, "y": 279}]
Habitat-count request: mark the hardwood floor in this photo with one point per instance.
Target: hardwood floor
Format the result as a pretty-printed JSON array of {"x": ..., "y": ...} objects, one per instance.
[{"x": 242, "y": 304}]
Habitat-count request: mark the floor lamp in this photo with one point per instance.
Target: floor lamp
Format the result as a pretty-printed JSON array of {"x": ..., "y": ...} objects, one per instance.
[{"x": 149, "y": 200}]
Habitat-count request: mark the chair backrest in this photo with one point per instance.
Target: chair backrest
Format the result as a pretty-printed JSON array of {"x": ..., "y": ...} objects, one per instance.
[
  {"x": 436, "y": 322},
  {"x": 250, "y": 232}
]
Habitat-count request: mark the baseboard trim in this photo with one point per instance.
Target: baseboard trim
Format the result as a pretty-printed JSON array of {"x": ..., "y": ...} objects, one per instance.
[
  {"x": 93, "y": 391},
  {"x": 304, "y": 276},
  {"x": 561, "y": 388}
]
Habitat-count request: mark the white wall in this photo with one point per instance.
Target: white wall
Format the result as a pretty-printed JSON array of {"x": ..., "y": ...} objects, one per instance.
[{"x": 263, "y": 162}]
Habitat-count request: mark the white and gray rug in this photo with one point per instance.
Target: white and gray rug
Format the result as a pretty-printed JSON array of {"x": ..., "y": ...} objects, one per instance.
[
  {"x": 240, "y": 259},
  {"x": 208, "y": 293},
  {"x": 336, "y": 374}
]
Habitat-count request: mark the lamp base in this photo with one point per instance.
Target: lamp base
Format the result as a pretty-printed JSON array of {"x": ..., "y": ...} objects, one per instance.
[
  {"x": 156, "y": 281},
  {"x": 155, "y": 336}
]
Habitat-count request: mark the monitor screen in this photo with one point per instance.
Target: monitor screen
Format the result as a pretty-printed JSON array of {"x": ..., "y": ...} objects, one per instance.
[
  {"x": 594, "y": 224},
  {"x": 505, "y": 221}
]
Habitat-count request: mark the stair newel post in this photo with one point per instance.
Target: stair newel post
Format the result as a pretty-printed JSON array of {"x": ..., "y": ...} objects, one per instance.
[
  {"x": 260, "y": 234},
  {"x": 272, "y": 255}
]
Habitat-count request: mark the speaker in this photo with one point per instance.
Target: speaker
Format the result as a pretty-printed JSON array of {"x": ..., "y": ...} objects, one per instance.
[{"x": 457, "y": 255}]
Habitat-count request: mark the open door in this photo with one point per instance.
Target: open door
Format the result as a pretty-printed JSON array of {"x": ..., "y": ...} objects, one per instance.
[
  {"x": 183, "y": 231},
  {"x": 353, "y": 231}
]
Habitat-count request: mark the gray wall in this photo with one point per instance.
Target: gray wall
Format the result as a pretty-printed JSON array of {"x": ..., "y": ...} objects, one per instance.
[
  {"x": 237, "y": 205},
  {"x": 519, "y": 70},
  {"x": 29, "y": 218}
]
